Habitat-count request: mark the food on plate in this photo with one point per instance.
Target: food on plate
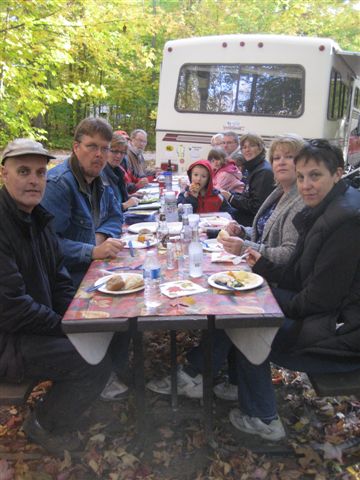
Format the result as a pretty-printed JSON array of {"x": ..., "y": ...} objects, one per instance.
[
  {"x": 222, "y": 235},
  {"x": 133, "y": 281},
  {"x": 144, "y": 231},
  {"x": 115, "y": 283},
  {"x": 233, "y": 279},
  {"x": 144, "y": 237}
]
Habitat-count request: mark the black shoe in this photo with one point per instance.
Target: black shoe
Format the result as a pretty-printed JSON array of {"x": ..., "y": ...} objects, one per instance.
[{"x": 51, "y": 442}]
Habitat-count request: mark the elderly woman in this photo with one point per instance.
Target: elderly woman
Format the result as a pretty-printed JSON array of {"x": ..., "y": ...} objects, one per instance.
[
  {"x": 226, "y": 174},
  {"x": 217, "y": 140},
  {"x": 273, "y": 233},
  {"x": 318, "y": 290},
  {"x": 259, "y": 180}
]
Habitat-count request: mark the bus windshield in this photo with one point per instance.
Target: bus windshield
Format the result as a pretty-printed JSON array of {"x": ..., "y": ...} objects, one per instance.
[{"x": 242, "y": 89}]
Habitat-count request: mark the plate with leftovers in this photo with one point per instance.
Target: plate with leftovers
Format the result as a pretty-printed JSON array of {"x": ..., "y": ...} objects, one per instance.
[
  {"x": 120, "y": 284},
  {"x": 143, "y": 227},
  {"x": 151, "y": 227},
  {"x": 141, "y": 240},
  {"x": 235, "y": 280},
  {"x": 212, "y": 245},
  {"x": 213, "y": 221}
]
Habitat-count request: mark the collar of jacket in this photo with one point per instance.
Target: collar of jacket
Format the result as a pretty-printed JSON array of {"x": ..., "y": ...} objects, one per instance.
[
  {"x": 307, "y": 217},
  {"x": 250, "y": 165},
  {"x": 41, "y": 216},
  {"x": 115, "y": 173},
  {"x": 84, "y": 187}
]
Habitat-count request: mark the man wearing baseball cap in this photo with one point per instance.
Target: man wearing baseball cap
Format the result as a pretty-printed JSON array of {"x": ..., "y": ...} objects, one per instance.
[{"x": 35, "y": 290}]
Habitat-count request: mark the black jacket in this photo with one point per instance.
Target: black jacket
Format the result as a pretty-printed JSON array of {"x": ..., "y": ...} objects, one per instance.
[
  {"x": 259, "y": 183},
  {"x": 115, "y": 178},
  {"x": 324, "y": 273},
  {"x": 35, "y": 288}
]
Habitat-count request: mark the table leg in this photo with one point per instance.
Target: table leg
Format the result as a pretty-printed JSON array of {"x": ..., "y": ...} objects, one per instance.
[
  {"x": 173, "y": 365},
  {"x": 208, "y": 338},
  {"x": 139, "y": 380}
]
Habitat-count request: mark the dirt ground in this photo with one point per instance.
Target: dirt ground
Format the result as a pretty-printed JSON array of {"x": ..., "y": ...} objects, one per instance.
[{"x": 322, "y": 436}]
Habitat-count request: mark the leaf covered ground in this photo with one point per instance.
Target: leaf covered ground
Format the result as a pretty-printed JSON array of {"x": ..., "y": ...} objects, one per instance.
[{"x": 323, "y": 439}]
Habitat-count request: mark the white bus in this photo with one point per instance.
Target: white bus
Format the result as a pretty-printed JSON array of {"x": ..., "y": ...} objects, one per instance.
[{"x": 267, "y": 84}]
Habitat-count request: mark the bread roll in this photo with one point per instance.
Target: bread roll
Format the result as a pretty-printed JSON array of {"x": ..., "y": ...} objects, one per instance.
[
  {"x": 133, "y": 281},
  {"x": 115, "y": 283},
  {"x": 222, "y": 235},
  {"x": 195, "y": 187}
]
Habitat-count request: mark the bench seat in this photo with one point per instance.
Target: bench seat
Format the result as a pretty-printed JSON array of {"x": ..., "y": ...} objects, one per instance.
[
  {"x": 336, "y": 384},
  {"x": 15, "y": 393}
]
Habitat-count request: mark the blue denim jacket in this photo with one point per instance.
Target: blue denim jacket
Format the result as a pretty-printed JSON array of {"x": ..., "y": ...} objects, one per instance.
[{"x": 73, "y": 220}]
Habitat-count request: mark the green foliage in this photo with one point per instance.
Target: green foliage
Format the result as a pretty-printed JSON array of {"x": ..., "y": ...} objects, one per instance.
[{"x": 61, "y": 60}]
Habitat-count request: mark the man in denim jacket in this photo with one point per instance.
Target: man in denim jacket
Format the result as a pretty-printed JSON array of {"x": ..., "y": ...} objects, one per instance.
[{"x": 88, "y": 219}]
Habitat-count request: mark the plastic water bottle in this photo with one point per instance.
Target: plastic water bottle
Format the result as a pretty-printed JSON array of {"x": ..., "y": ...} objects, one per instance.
[
  {"x": 162, "y": 232},
  {"x": 152, "y": 275},
  {"x": 168, "y": 177},
  {"x": 185, "y": 239},
  {"x": 171, "y": 211},
  {"x": 195, "y": 251},
  {"x": 185, "y": 235}
]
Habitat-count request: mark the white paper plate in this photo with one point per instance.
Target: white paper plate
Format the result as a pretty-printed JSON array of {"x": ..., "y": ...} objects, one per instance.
[
  {"x": 124, "y": 275},
  {"x": 136, "y": 244},
  {"x": 145, "y": 206},
  {"x": 136, "y": 227},
  {"x": 255, "y": 281},
  {"x": 212, "y": 245},
  {"x": 214, "y": 222},
  {"x": 174, "y": 227}
]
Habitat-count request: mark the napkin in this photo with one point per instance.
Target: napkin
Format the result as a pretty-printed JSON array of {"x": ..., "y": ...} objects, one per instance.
[
  {"x": 181, "y": 288},
  {"x": 219, "y": 257}
]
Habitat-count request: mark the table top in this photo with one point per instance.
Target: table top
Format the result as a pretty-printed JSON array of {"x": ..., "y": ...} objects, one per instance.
[{"x": 96, "y": 311}]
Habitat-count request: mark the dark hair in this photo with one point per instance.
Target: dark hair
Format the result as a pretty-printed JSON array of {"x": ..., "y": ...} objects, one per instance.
[
  {"x": 234, "y": 135},
  {"x": 92, "y": 126},
  {"x": 217, "y": 153},
  {"x": 253, "y": 138},
  {"x": 321, "y": 150}
]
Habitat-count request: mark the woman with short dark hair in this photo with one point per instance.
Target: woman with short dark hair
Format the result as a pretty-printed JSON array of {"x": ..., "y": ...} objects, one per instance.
[{"x": 318, "y": 290}]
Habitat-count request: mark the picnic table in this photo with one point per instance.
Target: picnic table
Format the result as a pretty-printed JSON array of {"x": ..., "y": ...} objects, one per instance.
[{"x": 92, "y": 318}]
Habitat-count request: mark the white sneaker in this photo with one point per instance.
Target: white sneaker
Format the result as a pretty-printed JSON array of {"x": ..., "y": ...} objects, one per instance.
[
  {"x": 188, "y": 386},
  {"x": 226, "y": 391},
  {"x": 253, "y": 425},
  {"x": 114, "y": 389}
]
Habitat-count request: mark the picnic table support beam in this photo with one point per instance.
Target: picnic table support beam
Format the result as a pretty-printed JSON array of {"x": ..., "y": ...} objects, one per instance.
[
  {"x": 139, "y": 376},
  {"x": 173, "y": 366},
  {"x": 208, "y": 340}
]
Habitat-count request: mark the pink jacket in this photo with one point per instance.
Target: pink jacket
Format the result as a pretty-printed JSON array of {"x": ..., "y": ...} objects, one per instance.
[{"x": 228, "y": 177}]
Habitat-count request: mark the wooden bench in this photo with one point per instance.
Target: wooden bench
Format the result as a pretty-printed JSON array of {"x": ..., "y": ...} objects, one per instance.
[
  {"x": 15, "y": 393},
  {"x": 336, "y": 384}
]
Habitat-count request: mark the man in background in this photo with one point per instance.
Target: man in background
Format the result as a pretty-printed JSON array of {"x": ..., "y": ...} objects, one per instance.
[{"x": 136, "y": 160}]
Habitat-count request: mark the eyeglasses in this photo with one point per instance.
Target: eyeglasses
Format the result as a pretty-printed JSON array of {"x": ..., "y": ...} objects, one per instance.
[
  {"x": 118, "y": 152},
  {"x": 92, "y": 147}
]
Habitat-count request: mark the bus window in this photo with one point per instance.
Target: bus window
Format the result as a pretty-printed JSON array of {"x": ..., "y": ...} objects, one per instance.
[
  {"x": 275, "y": 90},
  {"x": 338, "y": 96},
  {"x": 266, "y": 90}
]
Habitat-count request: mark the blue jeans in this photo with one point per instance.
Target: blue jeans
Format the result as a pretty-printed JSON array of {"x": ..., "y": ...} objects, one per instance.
[
  {"x": 256, "y": 391},
  {"x": 221, "y": 347}
]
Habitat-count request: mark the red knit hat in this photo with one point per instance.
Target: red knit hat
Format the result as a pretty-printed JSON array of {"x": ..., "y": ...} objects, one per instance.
[{"x": 123, "y": 133}]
